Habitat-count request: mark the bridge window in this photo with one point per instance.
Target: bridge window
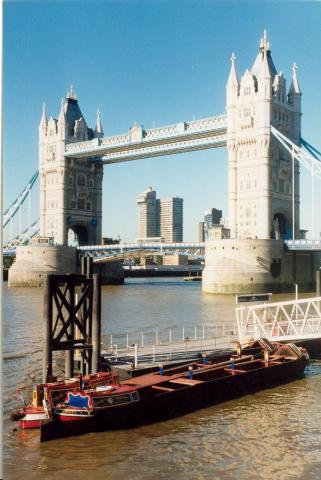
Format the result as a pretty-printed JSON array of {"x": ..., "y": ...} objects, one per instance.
[
  {"x": 281, "y": 185},
  {"x": 73, "y": 202},
  {"x": 70, "y": 180},
  {"x": 247, "y": 91},
  {"x": 81, "y": 180},
  {"x": 81, "y": 204}
]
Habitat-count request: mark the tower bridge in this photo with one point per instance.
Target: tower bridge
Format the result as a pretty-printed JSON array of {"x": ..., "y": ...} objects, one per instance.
[
  {"x": 262, "y": 132},
  {"x": 139, "y": 143}
]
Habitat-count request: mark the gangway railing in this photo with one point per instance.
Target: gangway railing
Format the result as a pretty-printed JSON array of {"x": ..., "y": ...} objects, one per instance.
[
  {"x": 155, "y": 346},
  {"x": 280, "y": 321}
]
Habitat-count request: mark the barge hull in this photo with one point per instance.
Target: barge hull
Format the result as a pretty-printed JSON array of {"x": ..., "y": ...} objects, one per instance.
[{"x": 176, "y": 402}]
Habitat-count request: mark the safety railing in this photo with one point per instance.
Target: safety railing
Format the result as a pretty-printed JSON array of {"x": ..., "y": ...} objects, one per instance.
[{"x": 160, "y": 345}]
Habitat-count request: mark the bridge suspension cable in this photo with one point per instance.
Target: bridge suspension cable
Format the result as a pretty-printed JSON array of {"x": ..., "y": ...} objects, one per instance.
[
  {"x": 310, "y": 159},
  {"x": 18, "y": 202},
  {"x": 312, "y": 150},
  {"x": 22, "y": 238}
]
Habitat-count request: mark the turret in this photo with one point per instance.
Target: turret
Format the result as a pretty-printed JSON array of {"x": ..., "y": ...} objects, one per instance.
[
  {"x": 264, "y": 69},
  {"x": 62, "y": 124},
  {"x": 232, "y": 86},
  {"x": 99, "y": 132},
  {"x": 294, "y": 99},
  {"x": 294, "y": 95},
  {"x": 43, "y": 122}
]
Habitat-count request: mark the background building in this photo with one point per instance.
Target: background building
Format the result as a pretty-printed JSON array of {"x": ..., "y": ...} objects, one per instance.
[
  {"x": 212, "y": 217},
  {"x": 201, "y": 236},
  {"x": 148, "y": 225},
  {"x": 159, "y": 218},
  {"x": 171, "y": 219}
]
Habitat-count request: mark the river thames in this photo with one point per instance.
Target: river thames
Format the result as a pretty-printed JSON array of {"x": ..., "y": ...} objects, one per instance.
[{"x": 275, "y": 433}]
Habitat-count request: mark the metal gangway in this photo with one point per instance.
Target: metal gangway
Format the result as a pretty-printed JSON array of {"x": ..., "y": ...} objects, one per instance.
[
  {"x": 151, "y": 347},
  {"x": 280, "y": 321}
]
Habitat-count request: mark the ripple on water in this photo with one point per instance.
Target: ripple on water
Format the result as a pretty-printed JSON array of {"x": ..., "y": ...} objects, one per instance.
[{"x": 272, "y": 434}]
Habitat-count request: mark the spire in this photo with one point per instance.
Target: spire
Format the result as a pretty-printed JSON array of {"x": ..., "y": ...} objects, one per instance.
[
  {"x": 72, "y": 94},
  {"x": 264, "y": 44},
  {"x": 99, "y": 132},
  {"x": 294, "y": 87},
  {"x": 43, "y": 120},
  {"x": 263, "y": 65},
  {"x": 265, "y": 71},
  {"x": 62, "y": 116},
  {"x": 232, "y": 79}
]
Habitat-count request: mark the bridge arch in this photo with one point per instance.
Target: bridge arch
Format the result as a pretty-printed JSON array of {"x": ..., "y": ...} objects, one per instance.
[
  {"x": 77, "y": 235},
  {"x": 280, "y": 226}
]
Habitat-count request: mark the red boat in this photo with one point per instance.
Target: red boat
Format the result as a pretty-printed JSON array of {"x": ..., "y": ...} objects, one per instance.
[
  {"x": 46, "y": 396},
  {"x": 87, "y": 407}
]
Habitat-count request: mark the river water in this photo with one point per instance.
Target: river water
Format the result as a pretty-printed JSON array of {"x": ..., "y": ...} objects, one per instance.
[{"x": 272, "y": 434}]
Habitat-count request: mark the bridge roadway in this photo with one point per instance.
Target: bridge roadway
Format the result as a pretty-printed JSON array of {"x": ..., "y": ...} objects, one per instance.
[
  {"x": 118, "y": 250},
  {"x": 189, "y": 248},
  {"x": 139, "y": 143},
  {"x": 159, "y": 246},
  {"x": 307, "y": 245}
]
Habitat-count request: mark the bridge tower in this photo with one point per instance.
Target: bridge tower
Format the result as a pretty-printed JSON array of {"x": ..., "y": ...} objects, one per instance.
[
  {"x": 260, "y": 169},
  {"x": 70, "y": 189}
]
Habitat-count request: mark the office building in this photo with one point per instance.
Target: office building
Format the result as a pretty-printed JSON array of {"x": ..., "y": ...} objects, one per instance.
[
  {"x": 211, "y": 217},
  {"x": 171, "y": 219},
  {"x": 147, "y": 214},
  {"x": 159, "y": 218}
]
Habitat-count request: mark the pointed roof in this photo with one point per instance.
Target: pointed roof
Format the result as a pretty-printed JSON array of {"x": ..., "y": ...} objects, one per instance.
[
  {"x": 72, "y": 110},
  {"x": 43, "y": 120},
  {"x": 294, "y": 87},
  {"x": 99, "y": 127},
  {"x": 62, "y": 116},
  {"x": 71, "y": 93},
  {"x": 263, "y": 64},
  {"x": 232, "y": 79}
]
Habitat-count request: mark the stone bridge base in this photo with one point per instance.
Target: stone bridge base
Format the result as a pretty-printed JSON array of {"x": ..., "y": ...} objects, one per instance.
[
  {"x": 257, "y": 266},
  {"x": 33, "y": 262}
]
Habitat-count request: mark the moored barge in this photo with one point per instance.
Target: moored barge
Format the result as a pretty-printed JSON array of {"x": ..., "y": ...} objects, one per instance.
[{"x": 169, "y": 392}]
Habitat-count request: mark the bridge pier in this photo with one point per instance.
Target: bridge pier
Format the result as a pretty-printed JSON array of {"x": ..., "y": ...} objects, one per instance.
[
  {"x": 253, "y": 266},
  {"x": 35, "y": 261}
]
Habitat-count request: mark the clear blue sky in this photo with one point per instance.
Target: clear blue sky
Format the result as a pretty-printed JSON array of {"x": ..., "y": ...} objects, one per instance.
[{"x": 152, "y": 61}]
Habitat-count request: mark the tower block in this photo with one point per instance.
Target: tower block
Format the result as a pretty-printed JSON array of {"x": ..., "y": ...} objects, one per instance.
[
  {"x": 260, "y": 169},
  {"x": 70, "y": 189}
]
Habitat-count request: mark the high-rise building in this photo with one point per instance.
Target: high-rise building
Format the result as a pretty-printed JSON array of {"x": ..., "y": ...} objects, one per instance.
[
  {"x": 211, "y": 217},
  {"x": 201, "y": 236},
  {"x": 171, "y": 219},
  {"x": 147, "y": 214},
  {"x": 159, "y": 218}
]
